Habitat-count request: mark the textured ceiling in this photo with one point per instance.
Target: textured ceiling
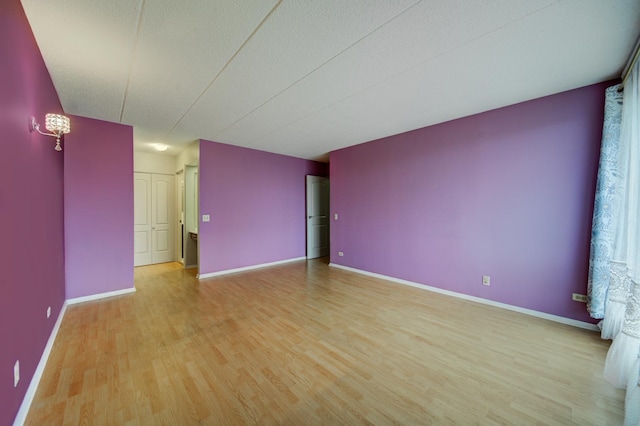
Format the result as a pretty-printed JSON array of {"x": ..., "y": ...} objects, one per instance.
[{"x": 305, "y": 77}]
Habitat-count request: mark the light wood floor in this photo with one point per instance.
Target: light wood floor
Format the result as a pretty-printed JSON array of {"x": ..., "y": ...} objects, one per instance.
[{"x": 304, "y": 344}]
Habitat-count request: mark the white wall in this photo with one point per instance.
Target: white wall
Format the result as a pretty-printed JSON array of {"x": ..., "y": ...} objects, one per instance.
[
  {"x": 154, "y": 163},
  {"x": 191, "y": 198},
  {"x": 188, "y": 157}
]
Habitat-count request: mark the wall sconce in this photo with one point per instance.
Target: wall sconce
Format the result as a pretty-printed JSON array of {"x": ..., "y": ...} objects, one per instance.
[{"x": 57, "y": 124}]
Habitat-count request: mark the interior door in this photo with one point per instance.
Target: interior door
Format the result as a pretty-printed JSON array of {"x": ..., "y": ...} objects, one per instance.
[
  {"x": 317, "y": 217},
  {"x": 142, "y": 219},
  {"x": 162, "y": 213}
]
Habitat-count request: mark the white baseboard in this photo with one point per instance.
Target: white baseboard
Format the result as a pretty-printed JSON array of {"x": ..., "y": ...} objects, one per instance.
[
  {"x": 556, "y": 318},
  {"x": 37, "y": 375},
  {"x": 248, "y": 268},
  {"x": 100, "y": 296}
]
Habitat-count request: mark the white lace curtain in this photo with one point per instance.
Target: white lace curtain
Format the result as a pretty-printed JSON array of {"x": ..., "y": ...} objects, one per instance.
[{"x": 614, "y": 268}]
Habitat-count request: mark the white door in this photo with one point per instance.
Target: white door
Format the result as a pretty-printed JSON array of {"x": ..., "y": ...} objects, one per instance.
[
  {"x": 162, "y": 218},
  {"x": 317, "y": 217},
  {"x": 142, "y": 219},
  {"x": 154, "y": 210}
]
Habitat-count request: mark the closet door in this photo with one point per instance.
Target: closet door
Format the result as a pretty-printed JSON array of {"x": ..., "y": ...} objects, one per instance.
[
  {"x": 154, "y": 218},
  {"x": 142, "y": 219}
]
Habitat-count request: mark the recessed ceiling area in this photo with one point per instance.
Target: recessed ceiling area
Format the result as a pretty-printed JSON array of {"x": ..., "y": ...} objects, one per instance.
[{"x": 306, "y": 77}]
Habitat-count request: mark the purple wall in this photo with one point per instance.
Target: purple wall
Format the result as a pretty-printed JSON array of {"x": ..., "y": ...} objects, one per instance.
[
  {"x": 31, "y": 209},
  {"x": 507, "y": 193},
  {"x": 257, "y": 205},
  {"x": 98, "y": 203}
]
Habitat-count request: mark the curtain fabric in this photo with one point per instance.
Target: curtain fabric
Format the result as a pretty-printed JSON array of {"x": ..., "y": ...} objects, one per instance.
[
  {"x": 614, "y": 268},
  {"x": 605, "y": 211}
]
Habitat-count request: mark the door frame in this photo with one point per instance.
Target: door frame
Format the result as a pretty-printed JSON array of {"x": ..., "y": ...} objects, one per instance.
[{"x": 180, "y": 228}]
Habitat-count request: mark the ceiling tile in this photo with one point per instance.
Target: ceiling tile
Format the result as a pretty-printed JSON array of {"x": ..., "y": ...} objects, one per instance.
[
  {"x": 181, "y": 48},
  {"x": 87, "y": 46},
  {"x": 473, "y": 78},
  {"x": 419, "y": 35},
  {"x": 299, "y": 37},
  {"x": 304, "y": 77}
]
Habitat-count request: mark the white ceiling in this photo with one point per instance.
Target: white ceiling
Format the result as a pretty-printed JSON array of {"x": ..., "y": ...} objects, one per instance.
[{"x": 305, "y": 77}]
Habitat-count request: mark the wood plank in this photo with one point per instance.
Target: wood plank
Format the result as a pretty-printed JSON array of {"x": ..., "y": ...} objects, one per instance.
[{"x": 305, "y": 343}]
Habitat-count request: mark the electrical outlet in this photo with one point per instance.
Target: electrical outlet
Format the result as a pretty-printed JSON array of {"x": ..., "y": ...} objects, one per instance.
[
  {"x": 16, "y": 373},
  {"x": 206, "y": 218},
  {"x": 486, "y": 280},
  {"x": 340, "y": 254},
  {"x": 579, "y": 297},
  {"x": 48, "y": 311}
]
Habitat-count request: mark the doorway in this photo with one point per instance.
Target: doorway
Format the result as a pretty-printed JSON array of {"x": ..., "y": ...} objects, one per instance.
[
  {"x": 317, "y": 216},
  {"x": 191, "y": 209},
  {"x": 180, "y": 232}
]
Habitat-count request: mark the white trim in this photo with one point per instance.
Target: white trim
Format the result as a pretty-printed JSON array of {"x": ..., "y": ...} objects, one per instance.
[
  {"x": 556, "y": 318},
  {"x": 100, "y": 296},
  {"x": 248, "y": 268},
  {"x": 37, "y": 375}
]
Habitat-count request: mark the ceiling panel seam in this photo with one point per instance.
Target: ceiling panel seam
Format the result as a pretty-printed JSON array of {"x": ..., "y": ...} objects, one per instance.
[
  {"x": 507, "y": 24},
  {"x": 256, "y": 29},
  {"x": 322, "y": 64},
  {"x": 133, "y": 56},
  {"x": 436, "y": 62}
]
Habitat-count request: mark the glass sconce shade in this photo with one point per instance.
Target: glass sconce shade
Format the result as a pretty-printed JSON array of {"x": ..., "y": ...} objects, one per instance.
[{"x": 57, "y": 123}]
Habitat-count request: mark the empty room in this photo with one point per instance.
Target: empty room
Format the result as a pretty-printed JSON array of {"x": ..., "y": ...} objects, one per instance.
[{"x": 320, "y": 212}]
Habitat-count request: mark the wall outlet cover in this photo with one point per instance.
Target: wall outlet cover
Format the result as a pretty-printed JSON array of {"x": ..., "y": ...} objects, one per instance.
[
  {"x": 486, "y": 280},
  {"x": 577, "y": 297}
]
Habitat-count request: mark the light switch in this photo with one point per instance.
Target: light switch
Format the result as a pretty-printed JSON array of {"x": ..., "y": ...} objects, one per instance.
[
  {"x": 16, "y": 373},
  {"x": 335, "y": 216},
  {"x": 206, "y": 218}
]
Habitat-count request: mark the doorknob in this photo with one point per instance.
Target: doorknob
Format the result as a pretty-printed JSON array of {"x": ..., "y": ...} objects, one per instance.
[{"x": 309, "y": 217}]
